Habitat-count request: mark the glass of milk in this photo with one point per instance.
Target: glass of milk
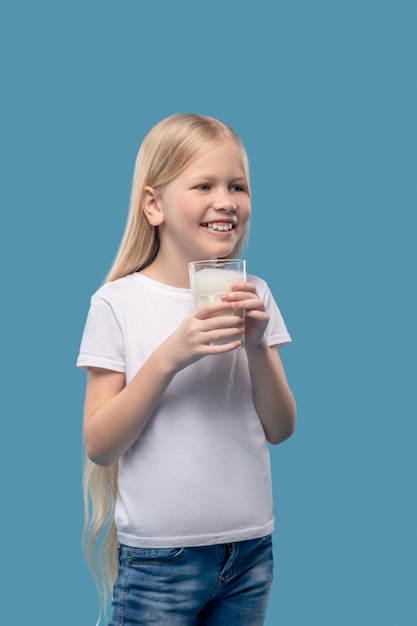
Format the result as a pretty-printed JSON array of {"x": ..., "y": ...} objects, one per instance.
[{"x": 210, "y": 279}]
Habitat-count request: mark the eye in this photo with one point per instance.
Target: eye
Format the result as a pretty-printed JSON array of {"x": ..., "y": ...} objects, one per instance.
[
  {"x": 203, "y": 187},
  {"x": 239, "y": 188}
]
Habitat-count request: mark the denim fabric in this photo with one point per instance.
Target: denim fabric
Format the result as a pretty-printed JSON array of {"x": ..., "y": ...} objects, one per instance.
[{"x": 220, "y": 585}]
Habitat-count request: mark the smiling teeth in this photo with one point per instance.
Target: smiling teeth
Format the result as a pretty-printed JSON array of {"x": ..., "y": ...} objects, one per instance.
[{"x": 219, "y": 226}]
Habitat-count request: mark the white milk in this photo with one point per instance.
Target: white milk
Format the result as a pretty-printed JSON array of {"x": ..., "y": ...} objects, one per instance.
[{"x": 211, "y": 283}]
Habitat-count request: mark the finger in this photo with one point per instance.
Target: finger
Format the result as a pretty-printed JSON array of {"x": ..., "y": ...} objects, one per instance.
[
  {"x": 235, "y": 296},
  {"x": 248, "y": 304},
  {"x": 213, "y": 309},
  {"x": 256, "y": 314},
  {"x": 238, "y": 295},
  {"x": 243, "y": 286},
  {"x": 221, "y": 348},
  {"x": 229, "y": 323},
  {"x": 224, "y": 335}
]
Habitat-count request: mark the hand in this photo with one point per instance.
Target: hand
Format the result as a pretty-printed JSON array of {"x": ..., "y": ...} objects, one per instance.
[
  {"x": 244, "y": 296},
  {"x": 197, "y": 334}
]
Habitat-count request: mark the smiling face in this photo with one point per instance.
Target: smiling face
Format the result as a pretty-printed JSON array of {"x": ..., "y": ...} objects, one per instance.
[{"x": 204, "y": 211}]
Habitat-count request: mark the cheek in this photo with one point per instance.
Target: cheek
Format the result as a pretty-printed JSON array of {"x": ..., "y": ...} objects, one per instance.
[{"x": 246, "y": 213}]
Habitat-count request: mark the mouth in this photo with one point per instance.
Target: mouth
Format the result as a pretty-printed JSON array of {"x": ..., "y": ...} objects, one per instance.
[{"x": 219, "y": 226}]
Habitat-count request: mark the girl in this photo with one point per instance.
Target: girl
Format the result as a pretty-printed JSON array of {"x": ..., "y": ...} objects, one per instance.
[{"x": 176, "y": 424}]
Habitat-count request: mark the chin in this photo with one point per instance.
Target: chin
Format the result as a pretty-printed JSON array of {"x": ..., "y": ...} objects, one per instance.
[{"x": 223, "y": 250}]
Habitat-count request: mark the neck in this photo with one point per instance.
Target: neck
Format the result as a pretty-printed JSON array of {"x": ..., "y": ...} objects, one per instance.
[{"x": 173, "y": 274}]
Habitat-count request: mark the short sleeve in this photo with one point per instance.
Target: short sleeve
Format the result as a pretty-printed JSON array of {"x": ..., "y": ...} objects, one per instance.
[
  {"x": 276, "y": 333},
  {"x": 102, "y": 341}
]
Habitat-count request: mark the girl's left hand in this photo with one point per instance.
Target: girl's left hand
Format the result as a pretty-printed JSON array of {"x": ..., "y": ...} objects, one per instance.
[{"x": 244, "y": 296}]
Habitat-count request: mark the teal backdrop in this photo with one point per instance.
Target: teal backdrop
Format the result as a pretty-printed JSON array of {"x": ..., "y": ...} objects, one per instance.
[{"x": 323, "y": 94}]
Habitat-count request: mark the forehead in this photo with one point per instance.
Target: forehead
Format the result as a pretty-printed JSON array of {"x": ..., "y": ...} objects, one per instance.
[{"x": 222, "y": 156}]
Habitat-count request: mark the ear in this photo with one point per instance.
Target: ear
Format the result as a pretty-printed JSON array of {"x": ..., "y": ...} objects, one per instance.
[{"x": 151, "y": 207}]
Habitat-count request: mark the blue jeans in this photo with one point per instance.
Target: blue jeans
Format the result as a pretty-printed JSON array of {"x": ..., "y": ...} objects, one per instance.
[{"x": 220, "y": 585}]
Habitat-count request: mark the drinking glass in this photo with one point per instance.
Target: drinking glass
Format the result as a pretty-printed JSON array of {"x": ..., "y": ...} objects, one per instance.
[{"x": 212, "y": 278}]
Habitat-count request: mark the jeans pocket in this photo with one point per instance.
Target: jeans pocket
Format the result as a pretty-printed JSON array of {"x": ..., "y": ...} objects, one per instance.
[
  {"x": 153, "y": 556},
  {"x": 265, "y": 540}
]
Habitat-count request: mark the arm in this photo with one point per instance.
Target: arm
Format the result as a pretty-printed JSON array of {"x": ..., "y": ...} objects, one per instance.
[
  {"x": 115, "y": 414},
  {"x": 272, "y": 397}
]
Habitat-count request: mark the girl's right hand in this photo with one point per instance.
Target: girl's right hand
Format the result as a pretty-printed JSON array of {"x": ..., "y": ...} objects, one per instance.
[{"x": 198, "y": 334}]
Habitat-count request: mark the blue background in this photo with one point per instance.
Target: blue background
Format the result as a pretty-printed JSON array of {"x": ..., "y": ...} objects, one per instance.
[{"x": 323, "y": 94}]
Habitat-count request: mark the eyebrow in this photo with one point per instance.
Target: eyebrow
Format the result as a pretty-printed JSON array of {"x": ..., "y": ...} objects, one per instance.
[{"x": 203, "y": 176}]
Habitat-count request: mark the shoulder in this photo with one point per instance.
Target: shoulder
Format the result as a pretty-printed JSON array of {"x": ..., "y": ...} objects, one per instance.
[
  {"x": 114, "y": 290},
  {"x": 277, "y": 333},
  {"x": 260, "y": 284},
  {"x": 263, "y": 291}
]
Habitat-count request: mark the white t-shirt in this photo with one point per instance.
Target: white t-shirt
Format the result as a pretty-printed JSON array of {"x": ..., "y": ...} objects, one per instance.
[{"x": 199, "y": 474}]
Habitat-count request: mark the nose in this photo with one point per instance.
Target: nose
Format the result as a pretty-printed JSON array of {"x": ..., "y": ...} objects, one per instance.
[{"x": 224, "y": 202}]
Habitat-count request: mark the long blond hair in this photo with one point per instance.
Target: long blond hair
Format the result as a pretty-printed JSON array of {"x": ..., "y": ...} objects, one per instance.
[{"x": 166, "y": 151}]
